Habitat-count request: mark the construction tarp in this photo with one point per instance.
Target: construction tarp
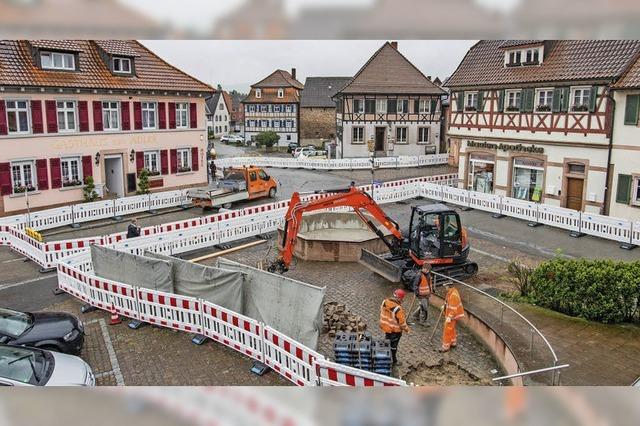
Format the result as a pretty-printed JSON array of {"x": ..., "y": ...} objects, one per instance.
[
  {"x": 154, "y": 274},
  {"x": 219, "y": 286},
  {"x": 291, "y": 307}
]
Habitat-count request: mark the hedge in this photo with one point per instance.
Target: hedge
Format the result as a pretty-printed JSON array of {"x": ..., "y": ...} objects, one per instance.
[{"x": 598, "y": 290}]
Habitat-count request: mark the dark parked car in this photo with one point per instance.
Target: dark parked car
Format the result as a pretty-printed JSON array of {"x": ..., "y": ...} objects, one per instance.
[
  {"x": 292, "y": 146},
  {"x": 54, "y": 331}
]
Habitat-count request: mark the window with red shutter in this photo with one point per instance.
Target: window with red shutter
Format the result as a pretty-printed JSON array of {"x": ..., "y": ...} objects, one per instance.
[
  {"x": 137, "y": 115},
  {"x": 56, "y": 174},
  {"x": 87, "y": 167},
  {"x": 164, "y": 162},
  {"x": 3, "y": 119},
  {"x": 43, "y": 175},
  {"x": 174, "y": 160},
  {"x": 126, "y": 115},
  {"x": 172, "y": 115},
  {"x": 37, "y": 125},
  {"x": 139, "y": 161},
  {"x": 5, "y": 179},
  {"x": 194, "y": 159},
  {"x": 97, "y": 116},
  {"x": 193, "y": 112},
  {"x": 52, "y": 116},
  {"x": 162, "y": 115},
  {"x": 83, "y": 115}
]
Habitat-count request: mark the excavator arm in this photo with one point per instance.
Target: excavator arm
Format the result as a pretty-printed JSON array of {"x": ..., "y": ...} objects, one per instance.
[{"x": 355, "y": 198}]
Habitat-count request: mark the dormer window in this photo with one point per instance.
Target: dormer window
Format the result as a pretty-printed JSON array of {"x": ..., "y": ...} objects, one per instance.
[
  {"x": 122, "y": 65},
  {"x": 523, "y": 57},
  {"x": 532, "y": 56},
  {"x": 58, "y": 61},
  {"x": 280, "y": 93},
  {"x": 515, "y": 58},
  {"x": 258, "y": 93}
]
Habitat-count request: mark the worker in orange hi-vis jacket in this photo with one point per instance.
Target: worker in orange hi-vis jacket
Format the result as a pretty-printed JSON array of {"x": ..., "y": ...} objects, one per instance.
[{"x": 453, "y": 311}]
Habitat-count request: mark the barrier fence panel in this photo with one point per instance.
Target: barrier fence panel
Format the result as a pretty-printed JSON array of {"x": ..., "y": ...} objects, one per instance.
[
  {"x": 26, "y": 246},
  {"x": 236, "y": 331},
  {"x": 73, "y": 281},
  {"x": 51, "y": 218},
  {"x": 559, "y": 217},
  {"x": 526, "y": 210},
  {"x": 163, "y": 200},
  {"x": 93, "y": 211},
  {"x": 169, "y": 310},
  {"x": 455, "y": 196},
  {"x": 56, "y": 250},
  {"x": 606, "y": 227},
  {"x": 635, "y": 235},
  {"x": 432, "y": 191},
  {"x": 332, "y": 374},
  {"x": 129, "y": 205},
  {"x": 194, "y": 239},
  {"x": 290, "y": 358},
  {"x": 486, "y": 202}
]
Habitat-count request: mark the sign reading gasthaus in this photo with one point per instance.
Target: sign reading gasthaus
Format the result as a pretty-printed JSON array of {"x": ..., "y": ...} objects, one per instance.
[{"x": 532, "y": 149}]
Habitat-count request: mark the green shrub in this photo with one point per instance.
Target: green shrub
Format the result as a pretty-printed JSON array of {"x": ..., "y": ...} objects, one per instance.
[
  {"x": 143, "y": 182},
  {"x": 267, "y": 139},
  {"x": 89, "y": 191},
  {"x": 598, "y": 290}
]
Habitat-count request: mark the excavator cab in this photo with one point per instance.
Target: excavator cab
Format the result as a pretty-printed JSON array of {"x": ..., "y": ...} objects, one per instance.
[{"x": 436, "y": 234}]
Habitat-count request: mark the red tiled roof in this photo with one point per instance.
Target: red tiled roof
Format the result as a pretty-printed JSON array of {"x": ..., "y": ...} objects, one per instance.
[
  {"x": 279, "y": 78},
  {"x": 116, "y": 47},
  {"x": 65, "y": 45},
  {"x": 152, "y": 73},
  {"x": 631, "y": 78},
  {"x": 389, "y": 72},
  {"x": 565, "y": 60},
  {"x": 270, "y": 95}
]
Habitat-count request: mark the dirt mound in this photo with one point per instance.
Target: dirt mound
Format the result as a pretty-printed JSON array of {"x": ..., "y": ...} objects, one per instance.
[{"x": 445, "y": 373}]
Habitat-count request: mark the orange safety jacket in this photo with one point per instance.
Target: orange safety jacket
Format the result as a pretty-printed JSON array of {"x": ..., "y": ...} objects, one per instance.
[
  {"x": 424, "y": 287},
  {"x": 453, "y": 302},
  {"x": 392, "y": 316}
]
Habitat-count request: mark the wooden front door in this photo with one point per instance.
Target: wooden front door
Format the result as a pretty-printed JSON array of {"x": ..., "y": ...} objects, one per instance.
[
  {"x": 575, "y": 193},
  {"x": 380, "y": 138}
]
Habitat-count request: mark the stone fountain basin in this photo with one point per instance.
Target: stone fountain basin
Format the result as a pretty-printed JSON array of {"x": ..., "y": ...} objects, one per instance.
[{"x": 335, "y": 237}]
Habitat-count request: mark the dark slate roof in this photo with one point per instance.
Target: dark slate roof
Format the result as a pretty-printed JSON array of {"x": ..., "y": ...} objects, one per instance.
[
  {"x": 318, "y": 91},
  {"x": 565, "y": 61},
  {"x": 390, "y": 72},
  {"x": 212, "y": 102}
]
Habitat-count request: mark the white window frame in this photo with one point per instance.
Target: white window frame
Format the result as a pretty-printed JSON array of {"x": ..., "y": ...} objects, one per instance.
[
  {"x": 182, "y": 115},
  {"x": 148, "y": 156},
  {"x": 68, "y": 174},
  {"x": 184, "y": 154},
  {"x": 400, "y": 106},
  {"x": 360, "y": 105},
  {"x": 280, "y": 93},
  {"x": 65, "y": 109},
  {"x": 33, "y": 177},
  {"x": 424, "y": 106},
  {"x": 120, "y": 60},
  {"x": 534, "y": 51},
  {"x": 258, "y": 93},
  {"x": 288, "y": 108},
  {"x": 110, "y": 112},
  {"x": 428, "y": 131},
  {"x": 289, "y": 124},
  {"x": 274, "y": 124},
  {"x": 381, "y": 106},
  {"x": 473, "y": 97},
  {"x": 635, "y": 201},
  {"x": 548, "y": 99},
  {"x": 517, "y": 97},
  {"x": 146, "y": 109},
  {"x": 251, "y": 108},
  {"x": 359, "y": 137},
  {"x": 64, "y": 65},
  {"x": 264, "y": 124},
  {"x": 278, "y": 108},
  {"x": 404, "y": 140},
  {"x": 221, "y": 106},
  {"x": 585, "y": 100},
  {"x": 17, "y": 110}
]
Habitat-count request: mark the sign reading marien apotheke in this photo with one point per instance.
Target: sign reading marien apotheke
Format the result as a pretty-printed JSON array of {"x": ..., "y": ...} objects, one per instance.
[{"x": 506, "y": 147}]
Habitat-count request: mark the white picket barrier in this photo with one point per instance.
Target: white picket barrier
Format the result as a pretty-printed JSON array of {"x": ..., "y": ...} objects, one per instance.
[
  {"x": 130, "y": 205},
  {"x": 163, "y": 200},
  {"x": 236, "y": 331},
  {"x": 456, "y": 196},
  {"x": 486, "y": 202},
  {"x": 635, "y": 235},
  {"x": 93, "y": 211},
  {"x": 433, "y": 191},
  {"x": 26, "y": 246},
  {"x": 525, "y": 210},
  {"x": 51, "y": 218},
  {"x": 169, "y": 310},
  {"x": 194, "y": 239},
  {"x": 332, "y": 374},
  {"x": 290, "y": 358},
  {"x": 56, "y": 250},
  {"x": 73, "y": 281},
  {"x": 559, "y": 217},
  {"x": 606, "y": 227}
]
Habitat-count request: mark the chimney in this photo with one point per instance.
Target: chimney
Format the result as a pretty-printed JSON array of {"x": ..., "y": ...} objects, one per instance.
[
  {"x": 394, "y": 44},
  {"x": 293, "y": 73}
]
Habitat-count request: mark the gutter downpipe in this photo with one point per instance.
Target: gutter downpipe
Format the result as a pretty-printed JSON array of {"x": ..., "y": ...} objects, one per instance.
[{"x": 607, "y": 201}]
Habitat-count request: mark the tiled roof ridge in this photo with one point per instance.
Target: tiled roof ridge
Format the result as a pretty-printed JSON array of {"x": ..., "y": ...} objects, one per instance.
[
  {"x": 629, "y": 67},
  {"x": 366, "y": 64}
]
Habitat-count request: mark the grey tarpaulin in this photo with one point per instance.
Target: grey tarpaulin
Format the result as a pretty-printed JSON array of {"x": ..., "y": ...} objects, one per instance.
[
  {"x": 132, "y": 269},
  {"x": 291, "y": 307},
  {"x": 215, "y": 285}
]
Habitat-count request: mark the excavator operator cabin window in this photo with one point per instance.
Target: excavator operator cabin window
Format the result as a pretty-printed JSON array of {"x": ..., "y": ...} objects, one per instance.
[{"x": 253, "y": 176}]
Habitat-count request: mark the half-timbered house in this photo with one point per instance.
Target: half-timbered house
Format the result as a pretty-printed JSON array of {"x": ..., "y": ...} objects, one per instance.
[
  {"x": 532, "y": 119},
  {"x": 393, "y": 104}
]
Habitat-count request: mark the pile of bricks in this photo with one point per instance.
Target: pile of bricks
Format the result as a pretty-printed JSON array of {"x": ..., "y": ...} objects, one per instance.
[{"x": 338, "y": 318}]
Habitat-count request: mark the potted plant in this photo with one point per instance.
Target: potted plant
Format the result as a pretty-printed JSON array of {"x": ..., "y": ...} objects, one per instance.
[
  {"x": 512, "y": 108},
  {"x": 154, "y": 173},
  {"x": 143, "y": 182},
  {"x": 543, "y": 108},
  {"x": 470, "y": 108},
  {"x": 74, "y": 182},
  {"x": 89, "y": 191},
  {"x": 580, "y": 108},
  {"x": 184, "y": 169}
]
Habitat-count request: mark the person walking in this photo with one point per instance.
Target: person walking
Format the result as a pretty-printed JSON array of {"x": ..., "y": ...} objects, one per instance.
[
  {"x": 133, "y": 230},
  {"x": 393, "y": 321},
  {"x": 422, "y": 288},
  {"x": 453, "y": 311},
  {"x": 212, "y": 170}
]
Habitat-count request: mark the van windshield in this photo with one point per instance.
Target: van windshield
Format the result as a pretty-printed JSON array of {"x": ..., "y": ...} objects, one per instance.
[{"x": 234, "y": 175}]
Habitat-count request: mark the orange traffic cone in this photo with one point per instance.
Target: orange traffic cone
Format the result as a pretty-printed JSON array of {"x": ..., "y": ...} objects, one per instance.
[{"x": 115, "y": 319}]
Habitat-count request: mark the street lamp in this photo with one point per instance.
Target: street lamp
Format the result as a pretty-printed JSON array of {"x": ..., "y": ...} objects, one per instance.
[{"x": 371, "y": 144}]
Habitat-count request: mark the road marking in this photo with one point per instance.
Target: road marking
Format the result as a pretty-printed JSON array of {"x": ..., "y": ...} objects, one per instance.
[
  {"x": 33, "y": 280},
  {"x": 490, "y": 235},
  {"x": 113, "y": 359},
  {"x": 14, "y": 260},
  {"x": 494, "y": 256}
]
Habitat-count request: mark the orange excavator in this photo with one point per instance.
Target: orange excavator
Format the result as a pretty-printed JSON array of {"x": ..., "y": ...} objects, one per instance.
[{"x": 435, "y": 236}]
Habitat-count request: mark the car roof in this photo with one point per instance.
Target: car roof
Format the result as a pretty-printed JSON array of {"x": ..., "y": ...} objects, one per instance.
[{"x": 433, "y": 208}]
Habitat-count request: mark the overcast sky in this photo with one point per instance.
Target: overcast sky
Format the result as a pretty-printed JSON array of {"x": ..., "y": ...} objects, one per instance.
[{"x": 237, "y": 64}]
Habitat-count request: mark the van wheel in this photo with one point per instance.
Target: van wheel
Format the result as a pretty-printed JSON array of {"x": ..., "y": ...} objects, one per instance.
[
  {"x": 226, "y": 206},
  {"x": 272, "y": 193}
]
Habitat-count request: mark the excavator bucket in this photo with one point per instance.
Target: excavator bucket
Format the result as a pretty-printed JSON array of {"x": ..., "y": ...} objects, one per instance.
[{"x": 382, "y": 266}]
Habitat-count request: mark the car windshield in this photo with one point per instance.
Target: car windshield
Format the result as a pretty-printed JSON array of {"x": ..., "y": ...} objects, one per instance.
[
  {"x": 22, "y": 365},
  {"x": 234, "y": 175},
  {"x": 14, "y": 323}
]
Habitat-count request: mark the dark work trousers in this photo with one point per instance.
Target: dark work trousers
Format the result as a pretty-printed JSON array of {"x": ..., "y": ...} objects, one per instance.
[{"x": 394, "y": 338}]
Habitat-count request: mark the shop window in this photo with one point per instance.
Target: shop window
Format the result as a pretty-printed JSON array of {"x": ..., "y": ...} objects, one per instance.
[
  {"x": 528, "y": 176},
  {"x": 481, "y": 173}
]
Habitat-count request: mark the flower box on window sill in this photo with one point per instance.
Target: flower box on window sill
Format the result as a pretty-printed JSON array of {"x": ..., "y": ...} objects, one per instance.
[
  {"x": 531, "y": 63},
  {"x": 71, "y": 183},
  {"x": 513, "y": 64},
  {"x": 580, "y": 108},
  {"x": 21, "y": 194},
  {"x": 184, "y": 169},
  {"x": 23, "y": 189},
  {"x": 512, "y": 109},
  {"x": 154, "y": 173},
  {"x": 543, "y": 108},
  {"x": 470, "y": 108}
]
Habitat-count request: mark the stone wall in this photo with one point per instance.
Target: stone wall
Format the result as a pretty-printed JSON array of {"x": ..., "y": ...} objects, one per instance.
[{"x": 317, "y": 124}]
